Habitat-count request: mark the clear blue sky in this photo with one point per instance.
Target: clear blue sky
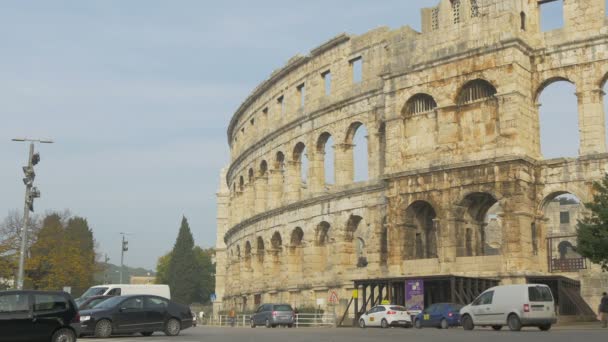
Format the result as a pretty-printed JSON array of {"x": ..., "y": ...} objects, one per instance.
[{"x": 137, "y": 96}]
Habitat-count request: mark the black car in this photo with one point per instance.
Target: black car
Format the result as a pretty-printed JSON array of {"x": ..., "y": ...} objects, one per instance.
[
  {"x": 90, "y": 302},
  {"x": 38, "y": 316},
  {"x": 135, "y": 314}
]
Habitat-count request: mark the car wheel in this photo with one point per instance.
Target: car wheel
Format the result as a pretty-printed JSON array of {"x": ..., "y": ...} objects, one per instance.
[
  {"x": 444, "y": 324},
  {"x": 267, "y": 324},
  {"x": 103, "y": 329},
  {"x": 544, "y": 327},
  {"x": 497, "y": 327},
  {"x": 417, "y": 324},
  {"x": 252, "y": 324},
  {"x": 384, "y": 323},
  {"x": 467, "y": 323},
  {"x": 172, "y": 327},
  {"x": 514, "y": 322},
  {"x": 362, "y": 323},
  {"x": 64, "y": 335},
  {"x": 147, "y": 333}
]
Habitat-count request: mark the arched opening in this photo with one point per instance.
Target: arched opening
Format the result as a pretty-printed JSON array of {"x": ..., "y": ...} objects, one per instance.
[
  {"x": 261, "y": 188},
  {"x": 248, "y": 254},
  {"x": 322, "y": 245},
  {"x": 561, "y": 212},
  {"x": 238, "y": 253},
  {"x": 263, "y": 168},
  {"x": 296, "y": 252},
  {"x": 325, "y": 149},
  {"x": 301, "y": 159},
  {"x": 419, "y": 103},
  {"x": 250, "y": 175},
  {"x": 558, "y": 119},
  {"x": 475, "y": 90},
  {"x": 420, "y": 240},
  {"x": 357, "y": 138},
  {"x": 357, "y": 243},
  {"x": 276, "y": 243},
  {"x": 241, "y": 184},
  {"x": 279, "y": 184},
  {"x": 261, "y": 251},
  {"x": 522, "y": 20},
  {"x": 474, "y": 213}
]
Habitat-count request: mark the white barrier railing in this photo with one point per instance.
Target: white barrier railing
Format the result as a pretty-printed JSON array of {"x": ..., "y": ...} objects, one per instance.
[{"x": 302, "y": 320}]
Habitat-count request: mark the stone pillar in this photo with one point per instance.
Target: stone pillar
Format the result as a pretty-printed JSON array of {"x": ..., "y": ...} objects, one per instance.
[
  {"x": 344, "y": 166},
  {"x": 238, "y": 207},
  {"x": 294, "y": 181},
  {"x": 591, "y": 121},
  {"x": 316, "y": 172},
  {"x": 261, "y": 193},
  {"x": 373, "y": 153},
  {"x": 275, "y": 188}
]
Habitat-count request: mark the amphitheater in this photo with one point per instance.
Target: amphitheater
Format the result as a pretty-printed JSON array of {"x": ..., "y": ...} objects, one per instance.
[{"x": 457, "y": 195}]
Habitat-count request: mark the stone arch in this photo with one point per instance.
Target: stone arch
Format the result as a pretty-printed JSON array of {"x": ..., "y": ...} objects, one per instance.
[
  {"x": 297, "y": 236},
  {"x": 475, "y": 90},
  {"x": 421, "y": 236},
  {"x": 248, "y": 251},
  {"x": 522, "y": 21},
  {"x": 260, "y": 249},
  {"x": 355, "y": 159},
  {"x": 419, "y": 103},
  {"x": 263, "y": 168},
  {"x": 276, "y": 241},
  {"x": 322, "y": 246},
  {"x": 351, "y": 226},
  {"x": 251, "y": 176},
  {"x": 279, "y": 161},
  {"x": 325, "y": 161},
  {"x": 296, "y": 252},
  {"x": 241, "y": 184},
  {"x": 322, "y": 234},
  {"x": 238, "y": 252},
  {"x": 472, "y": 213},
  {"x": 558, "y": 125},
  {"x": 277, "y": 181},
  {"x": 300, "y": 162},
  {"x": 355, "y": 245}
]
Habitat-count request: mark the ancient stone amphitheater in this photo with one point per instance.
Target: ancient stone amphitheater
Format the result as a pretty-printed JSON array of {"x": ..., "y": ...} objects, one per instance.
[{"x": 456, "y": 191}]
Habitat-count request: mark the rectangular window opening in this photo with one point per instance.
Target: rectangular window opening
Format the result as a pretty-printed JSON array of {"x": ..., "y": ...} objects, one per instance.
[
  {"x": 357, "y": 67},
  {"x": 252, "y": 121},
  {"x": 281, "y": 103},
  {"x": 551, "y": 15},
  {"x": 302, "y": 93},
  {"x": 327, "y": 81},
  {"x": 564, "y": 217}
]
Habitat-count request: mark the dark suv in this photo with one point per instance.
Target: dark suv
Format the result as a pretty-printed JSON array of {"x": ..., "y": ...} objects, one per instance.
[
  {"x": 271, "y": 315},
  {"x": 38, "y": 316}
]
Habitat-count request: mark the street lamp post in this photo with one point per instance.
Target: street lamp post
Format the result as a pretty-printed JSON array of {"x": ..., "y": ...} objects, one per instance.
[
  {"x": 124, "y": 248},
  {"x": 31, "y": 192}
]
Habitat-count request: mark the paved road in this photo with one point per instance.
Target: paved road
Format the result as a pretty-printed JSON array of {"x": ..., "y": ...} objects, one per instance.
[{"x": 213, "y": 334}]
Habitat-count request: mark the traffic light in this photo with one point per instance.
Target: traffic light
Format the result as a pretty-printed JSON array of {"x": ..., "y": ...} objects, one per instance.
[
  {"x": 28, "y": 180},
  {"x": 125, "y": 245},
  {"x": 35, "y": 158}
]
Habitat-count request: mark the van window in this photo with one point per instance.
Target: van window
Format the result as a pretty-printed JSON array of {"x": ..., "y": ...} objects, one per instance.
[
  {"x": 484, "y": 299},
  {"x": 43, "y": 302},
  {"x": 539, "y": 294},
  {"x": 114, "y": 292},
  {"x": 94, "y": 291},
  {"x": 13, "y": 303},
  {"x": 283, "y": 308}
]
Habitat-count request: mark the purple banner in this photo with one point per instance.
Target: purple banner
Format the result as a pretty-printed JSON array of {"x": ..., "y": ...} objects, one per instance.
[{"x": 414, "y": 294}]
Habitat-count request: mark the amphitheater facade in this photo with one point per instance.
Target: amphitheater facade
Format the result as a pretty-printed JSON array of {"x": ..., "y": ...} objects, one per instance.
[{"x": 456, "y": 183}]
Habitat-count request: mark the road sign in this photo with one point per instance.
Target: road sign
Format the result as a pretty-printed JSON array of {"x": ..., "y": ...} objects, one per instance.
[
  {"x": 333, "y": 297},
  {"x": 355, "y": 294},
  {"x": 213, "y": 297}
]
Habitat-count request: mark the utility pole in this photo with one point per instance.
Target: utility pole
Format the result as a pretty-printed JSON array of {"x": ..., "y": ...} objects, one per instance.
[
  {"x": 31, "y": 192},
  {"x": 124, "y": 248}
]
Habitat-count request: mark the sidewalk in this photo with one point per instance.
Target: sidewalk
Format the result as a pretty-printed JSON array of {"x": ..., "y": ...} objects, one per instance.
[{"x": 579, "y": 326}]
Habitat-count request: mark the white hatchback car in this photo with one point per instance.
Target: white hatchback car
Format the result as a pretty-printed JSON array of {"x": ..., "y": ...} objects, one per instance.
[{"x": 386, "y": 316}]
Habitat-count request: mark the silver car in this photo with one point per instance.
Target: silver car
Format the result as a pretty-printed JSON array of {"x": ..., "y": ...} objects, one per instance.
[{"x": 271, "y": 315}]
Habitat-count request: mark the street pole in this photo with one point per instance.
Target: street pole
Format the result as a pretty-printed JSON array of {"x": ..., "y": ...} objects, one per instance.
[
  {"x": 31, "y": 192},
  {"x": 26, "y": 218},
  {"x": 122, "y": 257}
]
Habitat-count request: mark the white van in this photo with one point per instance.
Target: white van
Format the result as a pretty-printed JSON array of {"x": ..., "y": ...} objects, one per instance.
[
  {"x": 515, "y": 306},
  {"x": 125, "y": 289}
]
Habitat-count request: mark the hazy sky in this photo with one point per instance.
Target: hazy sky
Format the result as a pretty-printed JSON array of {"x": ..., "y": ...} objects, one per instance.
[{"x": 138, "y": 95}]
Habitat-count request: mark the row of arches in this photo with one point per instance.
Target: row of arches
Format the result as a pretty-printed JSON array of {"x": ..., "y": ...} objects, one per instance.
[{"x": 304, "y": 171}]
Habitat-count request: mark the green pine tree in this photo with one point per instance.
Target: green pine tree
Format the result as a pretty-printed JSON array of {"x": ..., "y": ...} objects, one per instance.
[
  {"x": 184, "y": 273},
  {"x": 593, "y": 230}
]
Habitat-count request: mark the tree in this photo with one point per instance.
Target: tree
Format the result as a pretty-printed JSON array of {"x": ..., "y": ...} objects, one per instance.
[
  {"x": 592, "y": 237},
  {"x": 162, "y": 269},
  {"x": 207, "y": 276},
  {"x": 183, "y": 267},
  {"x": 10, "y": 245}
]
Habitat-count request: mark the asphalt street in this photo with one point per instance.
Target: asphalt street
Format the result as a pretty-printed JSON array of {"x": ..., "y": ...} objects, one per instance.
[{"x": 213, "y": 334}]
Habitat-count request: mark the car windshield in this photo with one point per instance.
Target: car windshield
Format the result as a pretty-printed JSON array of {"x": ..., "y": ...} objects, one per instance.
[
  {"x": 455, "y": 307},
  {"x": 94, "y": 291},
  {"x": 79, "y": 301},
  {"x": 109, "y": 303},
  {"x": 398, "y": 308},
  {"x": 94, "y": 303},
  {"x": 283, "y": 308}
]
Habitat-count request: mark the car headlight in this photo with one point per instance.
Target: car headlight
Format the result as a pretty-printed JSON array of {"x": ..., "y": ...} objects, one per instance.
[{"x": 85, "y": 318}]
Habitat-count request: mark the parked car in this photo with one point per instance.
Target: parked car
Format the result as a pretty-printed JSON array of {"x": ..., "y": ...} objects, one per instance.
[
  {"x": 143, "y": 314},
  {"x": 127, "y": 289},
  {"x": 439, "y": 315},
  {"x": 38, "y": 316},
  {"x": 89, "y": 303},
  {"x": 271, "y": 315},
  {"x": 515, "y": 306},
  {"x": 386, "y": 316}
]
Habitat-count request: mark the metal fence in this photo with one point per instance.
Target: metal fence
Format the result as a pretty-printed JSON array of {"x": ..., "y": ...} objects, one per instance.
[{"x": 302, "y": 320}]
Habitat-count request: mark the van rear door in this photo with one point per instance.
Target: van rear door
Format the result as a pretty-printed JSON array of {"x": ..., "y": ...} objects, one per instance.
[{"x": 540, "y": 303}]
